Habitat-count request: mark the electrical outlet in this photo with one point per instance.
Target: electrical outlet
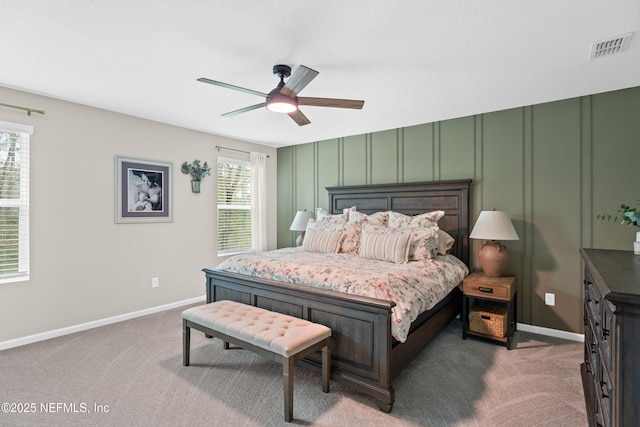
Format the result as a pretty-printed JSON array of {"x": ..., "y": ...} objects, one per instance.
[
  {"x": 550, "y": 299},
  {"x": 154, "y": 282}
]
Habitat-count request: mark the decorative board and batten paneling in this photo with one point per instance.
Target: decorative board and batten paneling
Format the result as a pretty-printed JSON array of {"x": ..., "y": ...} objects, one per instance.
[{"x": 552, "y": 166}]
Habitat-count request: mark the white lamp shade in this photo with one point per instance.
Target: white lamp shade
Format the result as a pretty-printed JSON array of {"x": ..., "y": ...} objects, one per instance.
[
  {"x": 494, "y": 225},
  {"x": 300, "y": 221}
]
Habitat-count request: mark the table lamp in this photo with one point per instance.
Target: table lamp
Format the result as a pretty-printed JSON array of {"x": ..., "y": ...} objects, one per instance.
[
  {"x": 493, "y": 226},
  {"x": 300, "y": 224}
]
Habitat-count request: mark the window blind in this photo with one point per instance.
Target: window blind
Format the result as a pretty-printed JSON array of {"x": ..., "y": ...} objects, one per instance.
[
  {"x": 234, "y": 206},
  {"x": 14, "y": 202}
]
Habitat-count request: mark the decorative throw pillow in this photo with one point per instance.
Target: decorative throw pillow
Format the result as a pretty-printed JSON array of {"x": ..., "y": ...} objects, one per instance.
[
  {"x": 378, "y": 218},
  {"x": 383, "y": 244},
  {"x": 323, "y": 215},
  {"x": 351, "y": 238},
  {"x": 326, "y": 225},
  {"x": 423, "y": 243},
  {"x": 347, "y": 211},
  {"x": 423, "y": 246},
  {"x": 445, "y": 242},
  {"x": 324, "y": 242},
  {"x": 429, "y": 219}
]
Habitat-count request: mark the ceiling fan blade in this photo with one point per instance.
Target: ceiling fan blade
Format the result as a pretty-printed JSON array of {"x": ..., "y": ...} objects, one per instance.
[
  {"x": 330, "y": 102},
  {"x": 244, "y": 110},
  {"x": 299, "y": 118},
  {"x": 298, "y": 80},
  {"x": 228, "y": 86}
]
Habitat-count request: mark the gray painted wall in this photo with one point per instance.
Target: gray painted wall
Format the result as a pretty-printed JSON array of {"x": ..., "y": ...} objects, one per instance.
[
  {"x": 84, "y": 267},
  {"x": 552, "y": 167}
]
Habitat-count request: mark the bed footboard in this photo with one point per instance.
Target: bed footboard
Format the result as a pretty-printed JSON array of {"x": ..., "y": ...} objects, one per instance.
[{"x": 361, "y": 327}]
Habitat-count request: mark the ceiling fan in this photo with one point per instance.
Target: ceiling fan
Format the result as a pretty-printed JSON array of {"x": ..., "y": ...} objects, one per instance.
[{"x": 284, "y": 98}]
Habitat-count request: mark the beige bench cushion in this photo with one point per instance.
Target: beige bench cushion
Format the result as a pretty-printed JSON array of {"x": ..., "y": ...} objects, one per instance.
[{"x": 280, "y": 333}]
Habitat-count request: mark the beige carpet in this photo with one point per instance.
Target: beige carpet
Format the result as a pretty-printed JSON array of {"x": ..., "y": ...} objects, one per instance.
[{"x": 131, "y": 374}]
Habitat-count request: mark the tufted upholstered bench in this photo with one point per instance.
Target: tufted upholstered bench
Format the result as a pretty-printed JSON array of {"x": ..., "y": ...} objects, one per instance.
[{"x": 280, "y": 337}]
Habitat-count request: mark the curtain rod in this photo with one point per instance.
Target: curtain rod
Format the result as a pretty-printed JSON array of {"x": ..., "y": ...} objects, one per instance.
[
  {"x": 219, "y": 147},
  {"x": 28, "y": 110}
]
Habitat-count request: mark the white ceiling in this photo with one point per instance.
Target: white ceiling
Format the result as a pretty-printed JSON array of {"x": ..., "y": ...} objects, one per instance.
[{"x": 411, "y": 61}]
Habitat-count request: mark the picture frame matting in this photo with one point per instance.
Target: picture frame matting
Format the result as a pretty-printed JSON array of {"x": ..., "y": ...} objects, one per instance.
[{"x": 143, "y": 190}]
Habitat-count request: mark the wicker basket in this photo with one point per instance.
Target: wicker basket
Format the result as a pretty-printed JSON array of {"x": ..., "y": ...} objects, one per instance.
[{"x": 489, "y": 319}]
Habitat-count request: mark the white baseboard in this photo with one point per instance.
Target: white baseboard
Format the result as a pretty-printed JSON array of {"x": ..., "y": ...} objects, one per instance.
[
  {"x": 571, "y": 336},
  {"x": 29, "y": 339},
  {"x": 109, "y": 320}
]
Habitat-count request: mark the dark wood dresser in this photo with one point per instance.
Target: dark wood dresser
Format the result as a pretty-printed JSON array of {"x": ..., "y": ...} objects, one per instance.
[{"x": 611, "y": 368}]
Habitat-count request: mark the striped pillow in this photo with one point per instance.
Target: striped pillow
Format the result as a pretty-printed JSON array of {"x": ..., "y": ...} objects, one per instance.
[
  {"x": 322, "y": 241},
  {"x": 385, "y": 245}
]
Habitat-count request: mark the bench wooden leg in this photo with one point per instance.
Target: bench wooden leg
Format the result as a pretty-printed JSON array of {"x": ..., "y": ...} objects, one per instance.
[
  {"x": 287, "y": 377},
  {"x": 326, "y": 366},
  {"x": 186, "y": 343}
]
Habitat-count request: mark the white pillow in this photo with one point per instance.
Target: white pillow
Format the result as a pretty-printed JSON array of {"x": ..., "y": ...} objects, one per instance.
[
  {"x": 324, "y": 242},
  {"x": 385, "y": 244}
]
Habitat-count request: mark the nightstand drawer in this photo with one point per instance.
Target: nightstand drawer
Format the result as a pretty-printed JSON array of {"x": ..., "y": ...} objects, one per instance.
[{"x": 502, "y": 288}]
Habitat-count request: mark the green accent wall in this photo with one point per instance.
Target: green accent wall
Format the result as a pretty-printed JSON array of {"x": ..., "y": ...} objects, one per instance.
[{"x": 553, "y": 167}]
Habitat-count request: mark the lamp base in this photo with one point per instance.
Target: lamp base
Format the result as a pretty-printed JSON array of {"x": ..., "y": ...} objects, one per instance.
[
  {"x": 493, "y": 258},
  {"x": 300, "y": 239}
]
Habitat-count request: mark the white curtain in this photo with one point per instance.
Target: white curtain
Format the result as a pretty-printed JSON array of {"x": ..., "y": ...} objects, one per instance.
[{"x": 258, "y": 201}]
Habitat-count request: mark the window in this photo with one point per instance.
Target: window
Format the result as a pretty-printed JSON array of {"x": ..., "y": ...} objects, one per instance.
[
  {"x": 234, "y": 206},
  {"x": 14, "y": 202}
]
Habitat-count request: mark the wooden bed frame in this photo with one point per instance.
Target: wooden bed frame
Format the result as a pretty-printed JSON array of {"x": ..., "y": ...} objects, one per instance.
[{"x": 365, "y": 356}]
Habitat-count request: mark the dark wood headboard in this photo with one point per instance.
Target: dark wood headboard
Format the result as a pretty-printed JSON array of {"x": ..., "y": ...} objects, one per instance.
[{"x": 412, "y": 199}]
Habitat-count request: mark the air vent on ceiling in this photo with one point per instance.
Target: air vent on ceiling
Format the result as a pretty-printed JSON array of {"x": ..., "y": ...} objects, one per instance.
[{"x": 610, "y": 46}]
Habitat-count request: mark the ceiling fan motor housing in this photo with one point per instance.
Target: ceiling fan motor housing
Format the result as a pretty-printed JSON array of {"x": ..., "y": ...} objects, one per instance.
[{"x": 282, "y": 71}]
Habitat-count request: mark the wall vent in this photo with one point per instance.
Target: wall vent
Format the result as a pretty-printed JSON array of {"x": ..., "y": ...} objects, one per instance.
[{"x": 610, "y": 46}]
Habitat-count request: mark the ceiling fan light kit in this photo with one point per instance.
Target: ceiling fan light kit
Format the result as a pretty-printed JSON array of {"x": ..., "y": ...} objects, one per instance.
[
  {"x": 284, "y": 98},
  {"x": 279, "y": 103}
]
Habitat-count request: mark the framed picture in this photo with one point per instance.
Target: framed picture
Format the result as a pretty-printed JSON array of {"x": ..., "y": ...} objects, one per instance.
[{"x": 143, "y": 191}]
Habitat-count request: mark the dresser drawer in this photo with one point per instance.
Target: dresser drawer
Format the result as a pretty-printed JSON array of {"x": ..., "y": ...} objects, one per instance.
[
  {"x": 590, "y": 347},
  {"x": 592, "y": 300},
  {"x": 607, "y": 335},
  {"x": 604, "y": 393},
  {"x": 588, "y": 384}
]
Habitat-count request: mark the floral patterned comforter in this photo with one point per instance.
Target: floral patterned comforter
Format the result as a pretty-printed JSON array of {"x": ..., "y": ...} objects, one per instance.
[{"x": 415, "y": 287}]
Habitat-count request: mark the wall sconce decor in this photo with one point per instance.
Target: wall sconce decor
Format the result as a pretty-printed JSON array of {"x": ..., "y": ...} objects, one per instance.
[{"x": 197, "y": 172}]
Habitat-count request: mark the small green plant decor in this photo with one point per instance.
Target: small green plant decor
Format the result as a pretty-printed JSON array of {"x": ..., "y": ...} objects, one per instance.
[
  {"x": 197, "y": 172},
  {"x": 625, "y": 214},
  {"x": 628, "y": 216}
]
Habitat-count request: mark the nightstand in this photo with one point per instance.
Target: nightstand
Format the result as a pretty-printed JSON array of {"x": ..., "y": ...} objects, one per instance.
[{"x": 487, "y": 301}]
